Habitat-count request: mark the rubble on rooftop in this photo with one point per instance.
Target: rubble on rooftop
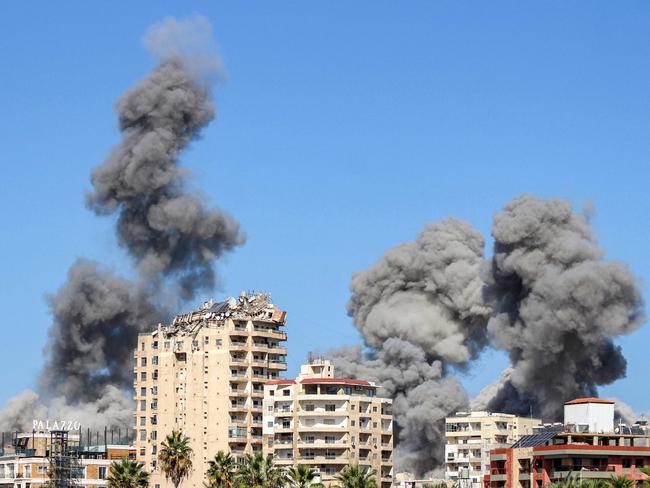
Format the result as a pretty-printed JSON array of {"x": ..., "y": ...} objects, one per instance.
[{"x": 248, "y": 306}]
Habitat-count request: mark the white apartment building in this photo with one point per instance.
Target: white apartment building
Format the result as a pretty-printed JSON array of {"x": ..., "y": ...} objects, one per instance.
[
  {"x": 471, "y": 436},
  {"x": 328, "y": 423}
]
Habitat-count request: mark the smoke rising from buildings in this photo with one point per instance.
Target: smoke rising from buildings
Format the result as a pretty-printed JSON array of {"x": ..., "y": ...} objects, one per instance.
[
  {"x": 557, "y": 307},
  {"x": 420, "y": 311},
  {"x": 427, "y": 308},
  {"x": 172, "y": 237}
]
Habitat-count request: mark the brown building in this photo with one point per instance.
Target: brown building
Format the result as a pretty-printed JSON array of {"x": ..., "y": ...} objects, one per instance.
[
  {"x": 204, "y": 375},
  {"x": 328, "y": 423}
]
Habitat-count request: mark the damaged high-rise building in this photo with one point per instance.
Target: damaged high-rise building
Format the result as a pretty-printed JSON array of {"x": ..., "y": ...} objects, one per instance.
[{"x": 203, "y": 375}]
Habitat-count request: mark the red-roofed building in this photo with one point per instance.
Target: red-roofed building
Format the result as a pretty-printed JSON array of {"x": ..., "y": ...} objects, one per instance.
[
  {"x": 328, "y": 423},
  {"x": 587, "y": 446}
]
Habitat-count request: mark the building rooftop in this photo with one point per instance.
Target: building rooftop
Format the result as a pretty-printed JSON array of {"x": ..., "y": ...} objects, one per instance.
[{"x": 578, "y": 401}]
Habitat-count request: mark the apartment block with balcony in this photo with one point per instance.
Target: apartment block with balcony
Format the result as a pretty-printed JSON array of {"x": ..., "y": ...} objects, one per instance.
[
  {"x": 587, "y": 446},
  {"x": 328, "y": 423},
  {"x": 470, "y": 437},
  {"x": 27, "y": 461},
  {"x": 204, "y": 375}
]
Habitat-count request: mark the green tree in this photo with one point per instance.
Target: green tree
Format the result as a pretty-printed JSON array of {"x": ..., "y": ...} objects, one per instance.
[
  {"x": 127, "y": 473},
  {"x": 301, "y": 476},
  {"x": 620, "y": 482},
  {"x": 221, "y": 471},
  {"x": 356, "y": 477},
  {"x": 176, "y": 457},
  {"x": 258, "y": 471}
]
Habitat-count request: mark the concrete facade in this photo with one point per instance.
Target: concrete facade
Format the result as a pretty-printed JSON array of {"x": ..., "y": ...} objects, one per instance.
[
  {"x": 470, "y": 437},
  {"x": 590, "y": 414},
  {"x": 328, "y": 423},
  {"x": 27, "y": 464},
  {"x": 204, "y": 375}
]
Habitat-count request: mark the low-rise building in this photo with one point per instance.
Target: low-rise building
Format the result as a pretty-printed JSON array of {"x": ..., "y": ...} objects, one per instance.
[
  {"x": 470, "y": 436},
  {"x": 587, "y": 446},
  {"x": 328, "y": 423},
  {"x": 36, "y": 458}
]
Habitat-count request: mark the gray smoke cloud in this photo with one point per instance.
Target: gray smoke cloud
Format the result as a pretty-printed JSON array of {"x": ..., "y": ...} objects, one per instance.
[
  {"x": 557, "y": 305},
  {"x": 420, "y": 312},
  {"x": 172, "y": 237},
  {"x": 548, "y": 297}
]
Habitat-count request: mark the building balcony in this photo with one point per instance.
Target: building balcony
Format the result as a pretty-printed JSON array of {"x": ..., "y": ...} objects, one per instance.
[
  {"x": 323, "y": 428},
  {"x": 323, "y": 413},
  {"x": 269, "y": 334},
  {"x": 322, "y": 444},
  {"x": 238, "y": 346},
  {"x": 324, "y": 460},
  {"x": 240, "y": 407}
]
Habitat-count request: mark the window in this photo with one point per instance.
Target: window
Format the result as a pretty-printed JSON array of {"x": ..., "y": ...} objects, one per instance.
[
  {"x": 286, "y": 392},
  {"x": 374, "y": 409},
  {"x": 154, "y": 390},
  {"x": 143, "y": 391},
  {"x": 217, "y": 342},
  {"x": 347, "y": 390},
  {"x": 142, "y": 346},
  {"x": 272, "y": 393},
  {"x": 143, "y": 361},
  {"x": 154, "y": 435},
  {"x": 331, "y": 390},
  {"x": 143, "y": 435},
  {"x": 155, "y": 345},
  {"x": 167, "y": 345},
  {"x": 154, "y": 360},
  {"x": 143, "y": 404},
  {"x": 330, "y": 407},
  {"x": 286, "y": 423},
  {"x": 41, "y": 469},
  {"x": 269, "y": 424},
  {"x": 309, "y": 407},
  {"x": 27, "y": 471},
  {"x": 352, "y": 422},
  {"x": 143, "y": 376},
  {"x": 374, "y": 425},
  {"x": 627, "y": 462},
  {"x": 206, "y": 340},
  {"x": 143, "y": 421},
  {"x": 101, "y": 472},
  {"x": 154, "y": 376},
  {"x": 142, "y": 451}
]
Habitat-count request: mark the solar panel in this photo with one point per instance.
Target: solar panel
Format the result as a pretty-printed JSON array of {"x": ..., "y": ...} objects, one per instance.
[{"x": 539, "y": 439}]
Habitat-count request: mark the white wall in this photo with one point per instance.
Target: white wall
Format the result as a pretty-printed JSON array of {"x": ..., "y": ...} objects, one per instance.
[{"x": 599, "y": 416}]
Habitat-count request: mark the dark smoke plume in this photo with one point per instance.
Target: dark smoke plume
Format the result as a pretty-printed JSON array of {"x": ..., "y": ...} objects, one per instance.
[
  {"x": 169, "y": 233},
  {"x": 420, "y": 312},
  {"x": 557, "y": 307}
]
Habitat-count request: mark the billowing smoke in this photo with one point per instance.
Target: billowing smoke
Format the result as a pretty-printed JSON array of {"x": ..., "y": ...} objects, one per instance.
[
  {"x": 420, "y": 312},
  {"x": 557, "y": 307},
  {"x": 172, "y": 237},
  {"x": 427, "y": 308}
]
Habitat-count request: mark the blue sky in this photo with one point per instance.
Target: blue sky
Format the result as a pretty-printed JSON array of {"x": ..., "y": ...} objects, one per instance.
[{"x": 342, "y": 128}]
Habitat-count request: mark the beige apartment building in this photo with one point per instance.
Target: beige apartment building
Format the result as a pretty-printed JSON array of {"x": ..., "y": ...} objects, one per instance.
[
  {"x": 328, "y": 423},
  {"x": 471, "y": 436},
  {"x": 204, "y": 375}
]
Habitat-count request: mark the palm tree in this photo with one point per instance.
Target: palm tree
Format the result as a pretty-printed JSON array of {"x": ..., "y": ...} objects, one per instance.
[
  {"x": 355, "y": 476},
  {"x": 258, "y": 471},
  {"x": 620, "y": 482},
  {"x": 221, "y": 471},
  {"x": 301, "y": 476},
  {"x": 176, "y": 457},
  {"x": 127, "y": 473}
]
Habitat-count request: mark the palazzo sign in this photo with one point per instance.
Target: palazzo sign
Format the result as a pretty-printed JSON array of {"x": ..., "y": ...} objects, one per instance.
[{"x": 50, "y": 425}]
